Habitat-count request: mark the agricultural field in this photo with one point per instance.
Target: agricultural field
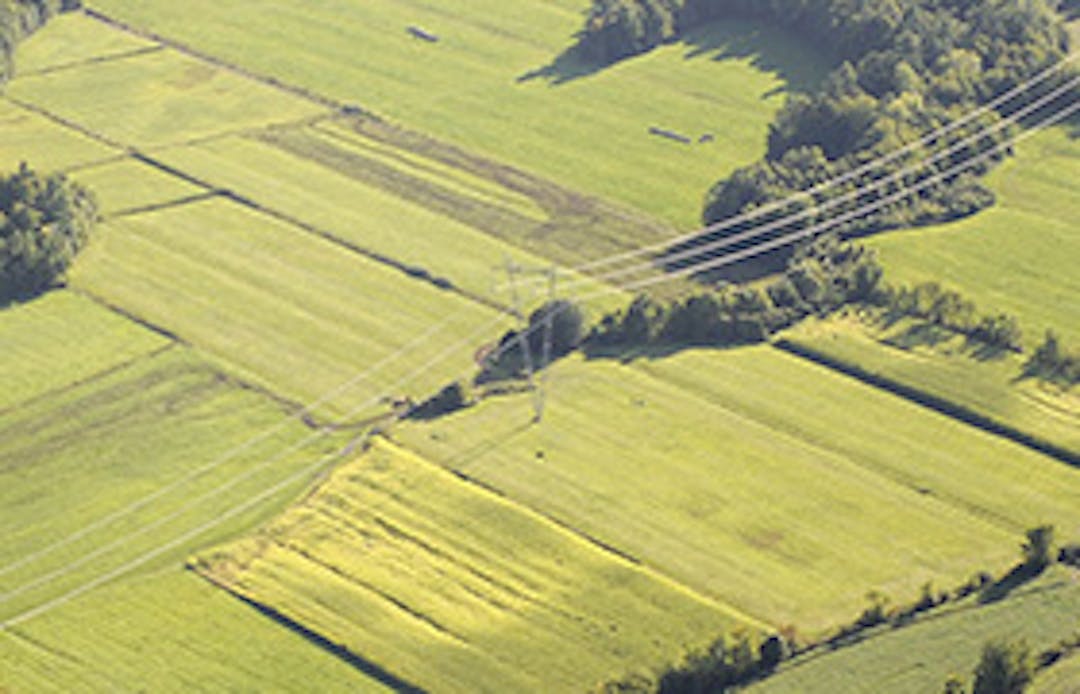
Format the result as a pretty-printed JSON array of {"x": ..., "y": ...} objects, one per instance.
[
  {"x": 31, "y": 137},
  {"x": 448, "y": 585},
  {"x": 127, "y": 185},
  {"x": 1018, "y": 256},
  {"x": 919, "y": 657},
  {"x": 690, "y": 462},
  {"x": 295, "y": 313},
  {"x": 75, "y": 39},
  {"x": 61, "y": 339},
  {"x": 304, "y": 212},
  {"x": 157, "y": 98},
  {"x": 945, "y": 367},
  {"x": 494, "y": 84},
  {"x": 435, "y": 219},
  {"x": 1063, "y": 678},
  {"x": 173, "y": 432}
]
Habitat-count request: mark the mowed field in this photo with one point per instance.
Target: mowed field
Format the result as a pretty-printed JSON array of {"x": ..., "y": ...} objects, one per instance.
[
  {"x": 707, "y": 466},
  {"x": 1017, "y": 257},
  {"x": 919, "y": 657},
  {"x": 945, "y": 367},
  {"x": 484, "y": 85},
  {"x": 296, "y": 313},
  {"x": 104, "y": 489},
  {"x": 61, "y": 339},
  {"x": 454, "y": 588}
]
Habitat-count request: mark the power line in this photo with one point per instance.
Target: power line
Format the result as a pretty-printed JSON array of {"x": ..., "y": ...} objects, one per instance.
[
  {"x": 220, "y": 460},
  {"x": 733, "y": 257},
  {"x": 836, "y": 202},
  {"x": 925, "y": 140}
]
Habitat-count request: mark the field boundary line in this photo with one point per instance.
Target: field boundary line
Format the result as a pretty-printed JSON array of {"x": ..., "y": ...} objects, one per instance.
[
  {"x": 108, "y": 58},
  {"x": 417, "y": 274},
  {"x": 64, "y": 122},
  {"x": 338, "y": 650},
  {"x": 121, "y": 311},
  {"x": 87, "y": 380},
  {"x": 940, "y": 405},
  {"x": 159, "y": 206},
  {"x": 618, "y": 555},
  {"x": 218, "y": 62}
]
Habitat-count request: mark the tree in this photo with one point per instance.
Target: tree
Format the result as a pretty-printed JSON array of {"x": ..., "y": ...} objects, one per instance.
[
  {"x": 44, "y": 222},
  {"x": 1004, "y": 668},
  {"x": 1038, "y": 549}
]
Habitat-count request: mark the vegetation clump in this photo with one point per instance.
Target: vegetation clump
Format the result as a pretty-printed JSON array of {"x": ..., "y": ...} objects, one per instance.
[
  {"x": 19, "y": 19},
  {"x": 1053, "y": 362},
  {"x": 554, "y": 330},
  {"x": 906, "y": 68},
  {"x": 820, "y": 278},
  {"x": 44, "y": 222}
]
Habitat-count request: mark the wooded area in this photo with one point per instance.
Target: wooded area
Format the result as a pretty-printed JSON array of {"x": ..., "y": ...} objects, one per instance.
[{"x": 905, "y": 68}]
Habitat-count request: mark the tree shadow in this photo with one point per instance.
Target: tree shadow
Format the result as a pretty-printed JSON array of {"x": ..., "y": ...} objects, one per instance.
[
  {"x": 756, "y": 42},
  {"x": 570, "y": 65},
  {"x": 733, "y": 39},
  {"x": 629, "y": 355},
  {"x": 1018, "y": 576}
]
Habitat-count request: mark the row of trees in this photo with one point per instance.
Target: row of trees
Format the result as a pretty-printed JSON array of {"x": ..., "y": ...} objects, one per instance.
[
  {"x": 20, "y": 18},
  {"x": 947, "y": 308},
  {"x": 736, "y": 660},
  {"x": 44, "y": 222},
  {"x": 906, "y": 67},
  {"x": 820, "y": 278}
]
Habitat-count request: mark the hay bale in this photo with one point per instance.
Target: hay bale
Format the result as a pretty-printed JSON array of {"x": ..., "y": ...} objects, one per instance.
[
  {"x": 423, "y": 35},
  {"x": 669, "y": 134}
]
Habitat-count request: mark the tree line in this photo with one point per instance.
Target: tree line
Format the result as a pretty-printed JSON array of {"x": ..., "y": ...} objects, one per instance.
[
  {"x": 44, "y": 222},
  {"x": 820, "y": 278},
  {"x": 19, "y": 19},
  {"x": 736, "y": 660},
  {"x": 905, "y": 68}
]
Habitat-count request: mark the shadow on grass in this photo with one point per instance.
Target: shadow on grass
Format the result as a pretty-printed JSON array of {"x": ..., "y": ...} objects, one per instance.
[
  {"x": 1001, "y": 588},
  {"x": 719, "y": 41}
]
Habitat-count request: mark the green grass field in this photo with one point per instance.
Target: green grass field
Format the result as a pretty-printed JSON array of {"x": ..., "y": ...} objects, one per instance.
[
  {"x": 1062, "y": 678},
  {"x": 87, "y": 453},
  {"x": 60, "y": 339},
  {"x": 706, "y": 466},
  {"x": 286, "y": 309},
  {"x": 159, "y": 98},
  {"x": 454, "y": 588},
  {"x": 167, "y": 632},
  {"x": 127, "y": 184},
  {"x": 948, "y": 369},
  {"x": 73, "y": 39},
  {"x": 919, "y": 658},
  {"x": 45, "y": 145},
  {"x": 472, "y": 88},
  {"x": 335, "y": 191},
  {"x": 1016, "y": 257}
]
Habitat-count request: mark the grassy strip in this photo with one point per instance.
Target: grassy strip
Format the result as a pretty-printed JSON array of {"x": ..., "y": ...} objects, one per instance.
[
  {"x": 497, "y": 596},
  {"x": 941, "y": 405},
  {"x": 920, "y": 656},
  {"x": 290, "y": 311},
  {"x": 159, "y": 98}
]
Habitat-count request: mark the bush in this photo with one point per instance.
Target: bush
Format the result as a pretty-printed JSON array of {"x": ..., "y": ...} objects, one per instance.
[
  {"x": 450, "y": 399},
  {"x": 1004, "y": 668}
]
